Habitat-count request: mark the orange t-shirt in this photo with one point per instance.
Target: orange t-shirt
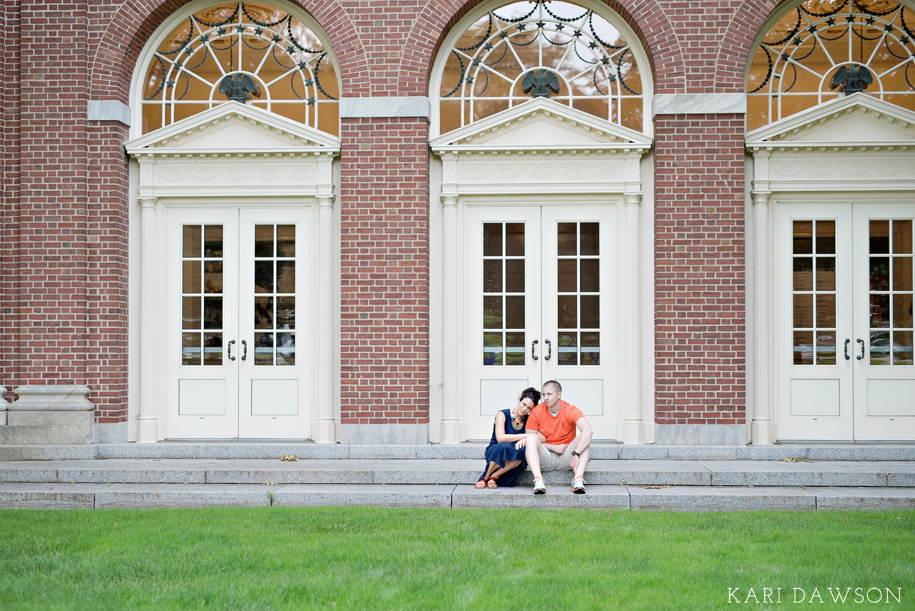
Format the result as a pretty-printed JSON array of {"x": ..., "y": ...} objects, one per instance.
[{"x": 558, "y": 430}]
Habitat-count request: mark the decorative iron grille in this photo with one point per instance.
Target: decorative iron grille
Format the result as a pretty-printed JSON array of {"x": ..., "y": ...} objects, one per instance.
[
  {"x": 244, "y": 51},
  {"x": 493, "y": 64},
  {"x": 823, "y": 49}
]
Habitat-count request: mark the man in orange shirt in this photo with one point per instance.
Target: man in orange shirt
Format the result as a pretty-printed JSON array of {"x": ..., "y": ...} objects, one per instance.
[{"x": 556, "y": 420}]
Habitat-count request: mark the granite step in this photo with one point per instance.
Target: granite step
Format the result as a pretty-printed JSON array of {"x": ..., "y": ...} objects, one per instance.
[
  {"x": 877, "y": 474},
  {"x": 599, "y": 497},
  {"x": 225, "y": 450}
]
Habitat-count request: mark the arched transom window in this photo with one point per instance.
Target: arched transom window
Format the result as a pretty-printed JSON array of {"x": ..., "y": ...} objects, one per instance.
[
  {"x": 823, "y": 49},
  {"x": 545, "y": 48},
  {"x": 245, "y": 51}
]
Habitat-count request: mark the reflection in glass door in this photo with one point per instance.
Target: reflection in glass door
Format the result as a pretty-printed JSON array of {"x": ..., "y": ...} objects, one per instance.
[{"x": 537, "y": 311}]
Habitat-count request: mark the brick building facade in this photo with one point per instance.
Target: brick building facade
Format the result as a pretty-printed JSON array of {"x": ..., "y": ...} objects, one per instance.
[{"x": 700, "y": 333}]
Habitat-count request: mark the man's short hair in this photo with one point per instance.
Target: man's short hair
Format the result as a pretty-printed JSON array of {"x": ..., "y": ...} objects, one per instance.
[{"x": 556, "y": 385}]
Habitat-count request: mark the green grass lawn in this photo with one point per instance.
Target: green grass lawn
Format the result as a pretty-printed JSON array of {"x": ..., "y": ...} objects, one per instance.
[{"x": 369, "y": 558}]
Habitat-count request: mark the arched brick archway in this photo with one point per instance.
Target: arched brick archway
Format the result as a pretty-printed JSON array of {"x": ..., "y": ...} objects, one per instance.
[
  {"x": 132, "y": 25},
  {"x": 654, "y": 30},
  {"x": 730, "y": 68}
]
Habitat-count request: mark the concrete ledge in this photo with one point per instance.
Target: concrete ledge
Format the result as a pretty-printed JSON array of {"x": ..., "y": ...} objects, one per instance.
[
  {"x": 108, "y": 110},
  {"x": 45, "y": 435},
  {"x": 805, "y": 473},
  {"x": 48, "y": 496},
  {"x": 384, "y": 433},
  {"x": 701, "y": 434},
  {"x": 364, "y": 495},
  {"x": 385, "y": 107},
  {"x": 720, "y": 499},
  {"x": 699, "y": 103},
  {"x": 864, "y": 498},
  {"x": 64, "y": 452},
  {"x": 123, "y": 496},
  {"x": 51, "y": 398},
  {"x": 556, "y": 497}
]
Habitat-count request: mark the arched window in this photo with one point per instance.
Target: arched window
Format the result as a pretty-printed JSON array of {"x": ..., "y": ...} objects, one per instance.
[
  {"x": 560, "y": 50},
  {"x": 822, "y": 49},
  {"x": 245, "y": 51}
]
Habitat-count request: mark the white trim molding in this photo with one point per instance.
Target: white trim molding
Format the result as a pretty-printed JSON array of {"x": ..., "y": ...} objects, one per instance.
[
  {"x": 230, "y": 155},
  {"x": 385, "y": 107},
  {"x": 700, "y": 103}
]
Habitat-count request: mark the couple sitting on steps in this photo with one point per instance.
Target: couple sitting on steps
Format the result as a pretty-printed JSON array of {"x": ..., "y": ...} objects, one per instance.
[{"x": 541, "y": 436}]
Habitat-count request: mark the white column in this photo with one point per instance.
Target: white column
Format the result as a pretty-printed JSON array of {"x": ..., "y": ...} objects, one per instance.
[
  {"x": 326, "y": 429},
  {"x": 762, "y": 427},
  {"x": 451, "y": 432},
  {"x": 632, "y": 425},
  {"x": 146, "y": 429}
]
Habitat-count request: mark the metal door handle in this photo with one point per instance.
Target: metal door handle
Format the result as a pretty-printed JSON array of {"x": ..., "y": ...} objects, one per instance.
[
  {"x": 847, "y": 341},
  {"x": 231, "y": 358},
  {"x": 549, "y": 349},
  {"x": 860, "y": 341},
  {"x": 533, "y": 346},
  {"x": 244, "y": 349}
]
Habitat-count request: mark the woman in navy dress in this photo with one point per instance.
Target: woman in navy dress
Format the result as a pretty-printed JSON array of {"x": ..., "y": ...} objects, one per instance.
[{"x": 505, "y": 454}]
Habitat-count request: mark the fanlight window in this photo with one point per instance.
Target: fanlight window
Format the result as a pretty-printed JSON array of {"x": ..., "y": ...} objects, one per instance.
[
  {"x": 243, "y": 51},
  {"x": 824, "y": 49},
  {"x": 541, "y": 48}
]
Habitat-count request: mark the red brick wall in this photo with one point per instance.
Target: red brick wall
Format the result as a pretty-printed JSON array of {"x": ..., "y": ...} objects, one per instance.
[
  {"x": 700, "y": 276},
  {"x": 385, "y": 271},
  {"x": 53, "y": 194},
  {"x": 64, "y": 226}
]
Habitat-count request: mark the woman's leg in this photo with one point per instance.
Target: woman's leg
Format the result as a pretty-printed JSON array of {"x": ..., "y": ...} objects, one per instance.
[
  {"x": 509, "y": 465},
  {"x": 490, "y": 470}
]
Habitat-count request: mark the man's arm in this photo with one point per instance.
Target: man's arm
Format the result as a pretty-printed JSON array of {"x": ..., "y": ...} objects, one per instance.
[
  {"x": 585, "y": 435},
  {"x": 584, "y": 441}
]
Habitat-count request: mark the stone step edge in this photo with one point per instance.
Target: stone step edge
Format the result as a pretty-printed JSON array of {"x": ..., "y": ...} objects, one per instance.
[
  {"x": 697, "y": 498},
  {"x": 601, "y": 451},
  {"x": 721, "y": 473}
]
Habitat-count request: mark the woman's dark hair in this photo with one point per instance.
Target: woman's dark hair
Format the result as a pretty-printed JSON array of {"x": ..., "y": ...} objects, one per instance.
[{"x": 532, "y": 393}]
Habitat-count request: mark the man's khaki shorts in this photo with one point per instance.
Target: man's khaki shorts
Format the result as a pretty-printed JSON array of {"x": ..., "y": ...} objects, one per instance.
[{"x": 550, "y": 461}]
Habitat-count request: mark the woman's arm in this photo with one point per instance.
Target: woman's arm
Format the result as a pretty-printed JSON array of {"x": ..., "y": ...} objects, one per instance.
[{"x": 501, "y": 435}]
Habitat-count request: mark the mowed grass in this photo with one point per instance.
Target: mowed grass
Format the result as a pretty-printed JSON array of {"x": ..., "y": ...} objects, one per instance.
[{"x": 372, "y": 558}]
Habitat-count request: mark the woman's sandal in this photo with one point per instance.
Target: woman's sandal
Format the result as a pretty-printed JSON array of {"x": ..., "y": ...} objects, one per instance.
[
  {"x": 481, "y": 484},
  {"x": 491, "y": 483}
]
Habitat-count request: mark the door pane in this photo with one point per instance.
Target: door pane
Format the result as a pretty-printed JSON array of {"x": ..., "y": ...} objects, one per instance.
[
  {"x": 274, "y": 295},
  {"x": 891, "y": 292},
  {"x": 504, "y": 299},
  {"x": 578, "y": 293},
  {"x": 814, "y": 288},
  {"x": 201, "y": 302}
]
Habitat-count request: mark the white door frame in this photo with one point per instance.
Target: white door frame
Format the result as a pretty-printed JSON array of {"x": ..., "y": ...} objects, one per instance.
[
  {"x": 501, "y": 160},
  {"x": 814, "y": 157},
  {"x": 187, "y": 164}
]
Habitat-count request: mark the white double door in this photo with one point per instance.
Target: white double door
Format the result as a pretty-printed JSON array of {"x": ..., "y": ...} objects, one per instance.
[
  {"x": 239, "y": 323},
  {"x": 541, "y": 305},
  {"x": 845, "y": 323}
]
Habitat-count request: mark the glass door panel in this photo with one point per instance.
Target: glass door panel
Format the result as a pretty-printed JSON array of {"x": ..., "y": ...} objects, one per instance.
[
  {"x": 815, "y": 376},
  {"x": 202, "y": 295},
  {"x": 884, "y": 369},
  {"x": 274, "y": 265},
  {"x": 503, "y": 310}
]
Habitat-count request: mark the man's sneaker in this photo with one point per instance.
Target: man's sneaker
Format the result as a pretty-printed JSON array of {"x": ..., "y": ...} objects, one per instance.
[
  {"x": 578, "y": 485},
  {"x": 539, "y": 486}
]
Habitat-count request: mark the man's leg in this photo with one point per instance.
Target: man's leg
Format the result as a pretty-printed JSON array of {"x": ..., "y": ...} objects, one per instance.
[
  {"x": 532, "y": 454},
  {"x": 583, "y": 462}
]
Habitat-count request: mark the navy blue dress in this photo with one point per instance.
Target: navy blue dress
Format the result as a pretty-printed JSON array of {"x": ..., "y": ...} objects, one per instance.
[{"x": 501, "y": 453}]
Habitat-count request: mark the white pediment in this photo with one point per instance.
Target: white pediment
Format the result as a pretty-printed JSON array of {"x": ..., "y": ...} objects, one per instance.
[
  {"x": 234, "y": 128},
  {"x": 540, "y": 124},
  {"x": 858, "y": 120}
]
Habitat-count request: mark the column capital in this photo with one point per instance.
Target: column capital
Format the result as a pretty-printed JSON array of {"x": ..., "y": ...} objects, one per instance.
[
  {"x": 633, "y": 198},
  {"x": 147, "y": 201},
  {"x": 449, "y": 200},
  {"x": 761, "y": 198}
]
